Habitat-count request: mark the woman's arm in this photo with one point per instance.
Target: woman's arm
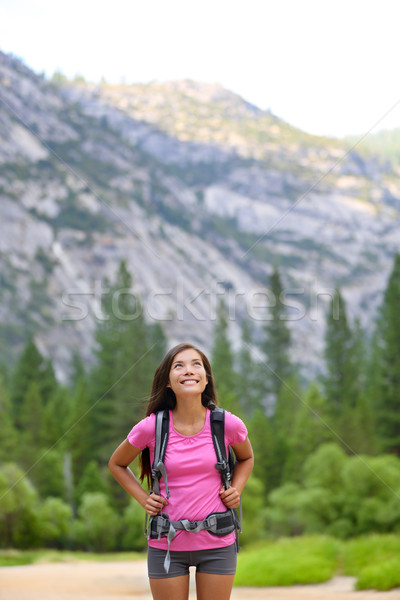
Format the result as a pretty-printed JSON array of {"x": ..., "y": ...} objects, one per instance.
[
  {"x": 118, "y": 465},
  {"x": 243, "y": 469}
]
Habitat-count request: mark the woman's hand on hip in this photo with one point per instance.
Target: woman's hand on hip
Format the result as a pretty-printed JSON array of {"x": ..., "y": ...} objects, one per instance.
[{"x": 154, "y": 504}]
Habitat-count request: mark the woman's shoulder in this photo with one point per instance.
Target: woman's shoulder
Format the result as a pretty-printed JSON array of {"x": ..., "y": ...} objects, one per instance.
[
  {"x": 142, "y": 434},
  {"x": 235, "y": 429}
]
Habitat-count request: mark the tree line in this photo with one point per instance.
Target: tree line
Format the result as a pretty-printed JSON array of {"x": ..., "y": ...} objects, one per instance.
[{"x": 327, "y": 451}]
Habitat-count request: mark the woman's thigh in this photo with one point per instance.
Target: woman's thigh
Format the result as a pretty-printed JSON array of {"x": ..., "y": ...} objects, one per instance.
[
  {"x": 210, "y": 586},
  {"x": 170, "y": 588}
]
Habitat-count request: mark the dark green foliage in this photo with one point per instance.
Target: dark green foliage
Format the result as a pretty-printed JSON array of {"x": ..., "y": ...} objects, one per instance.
[
  {"x": 55, "y": 518},
  {"x": 18, "y": 499},
  {"x": 79, "y": 435},
  {"x": 276, "y": 344},
  {"x": 310, "y": 429},
  {"x": 91, "y": 481},
  {"x": 388, "y": 337},
  {"x": 59, "y": 493},
  {"x": 337, "y": 494},
  {"x": 8, "y": 433},
  {"x": 222, "y": 362},
  {"x": 249, "y": 388},
  {"x": 339, "y": 382},
  {"x": 262, "y": 439},
  {"x": 348, "y": 410},
  {"x": 77, "y": 217},
  {"x": 31, "y": 368},
  {"x": 127, "y": 354},
  {"x": 96, "y": 529},
  {"x": 132, "y": 537}
]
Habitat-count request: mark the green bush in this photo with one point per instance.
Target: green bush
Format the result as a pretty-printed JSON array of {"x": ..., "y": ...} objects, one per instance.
[
  {"x": 340, "y": 496},
  {"x": 133, "y": 537},
  {"x": 18, "y": 500},
  {"x": 253, "y": 503},
  {"x": 384, "y": 576},
  {"x": 97, "y": 527},
  {"x": 55, "y": 518},
  {"x": 282, "y": 517},
  {"x": 362, "y": 552},
  {"x": 288, "y": 562}
]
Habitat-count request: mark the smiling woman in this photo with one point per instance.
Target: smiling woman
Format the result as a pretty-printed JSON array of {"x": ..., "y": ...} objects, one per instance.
[{"x": 192, "y": 519}]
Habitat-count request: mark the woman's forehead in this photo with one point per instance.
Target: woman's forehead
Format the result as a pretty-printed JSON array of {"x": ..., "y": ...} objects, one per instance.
[{"x": 190, "y": 354}]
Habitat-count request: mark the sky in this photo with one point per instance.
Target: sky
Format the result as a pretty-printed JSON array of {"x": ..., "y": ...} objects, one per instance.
[{"x": 327, "y": 67}]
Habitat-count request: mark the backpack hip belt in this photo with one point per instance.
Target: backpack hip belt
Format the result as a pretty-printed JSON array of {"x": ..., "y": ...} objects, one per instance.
[{"x": 218, "y": 523}]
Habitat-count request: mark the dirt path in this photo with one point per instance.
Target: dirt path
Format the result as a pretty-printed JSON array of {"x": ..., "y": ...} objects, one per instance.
[{"x": 115, "y": 580}]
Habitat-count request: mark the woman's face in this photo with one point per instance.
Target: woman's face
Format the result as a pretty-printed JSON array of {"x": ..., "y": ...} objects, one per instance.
[{"x": 187, "y": 374}]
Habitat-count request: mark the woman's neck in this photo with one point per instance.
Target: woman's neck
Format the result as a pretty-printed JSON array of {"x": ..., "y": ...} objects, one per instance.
[{"x": 189, "y": 413}]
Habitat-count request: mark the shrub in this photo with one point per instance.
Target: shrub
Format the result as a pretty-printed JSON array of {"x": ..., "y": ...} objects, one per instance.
[
  {"x": 55, "y": 518},
  {"x": 253, "y": 502},
  {"x": 384, "y": 576},
  {"x": 18, "y": 500},
  {"x": 288, "y": 562},
  {"x": 97, "y": 526},
  {"x": 133, "y": 537}
]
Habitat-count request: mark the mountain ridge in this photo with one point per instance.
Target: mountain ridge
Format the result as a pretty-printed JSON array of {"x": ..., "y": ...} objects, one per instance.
[{"x": 89, "y": 177}]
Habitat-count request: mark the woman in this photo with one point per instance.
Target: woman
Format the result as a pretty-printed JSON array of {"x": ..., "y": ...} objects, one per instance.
[{"x": 184, "y": 384}]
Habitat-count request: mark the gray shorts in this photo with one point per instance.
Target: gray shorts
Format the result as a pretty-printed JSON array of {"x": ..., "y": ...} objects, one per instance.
[{"x": 219, "y": 561}]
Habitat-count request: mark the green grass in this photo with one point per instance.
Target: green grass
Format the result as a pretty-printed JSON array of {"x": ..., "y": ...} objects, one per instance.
[
  {"x": 10, "y": 557},
  {"x": 384, "y": 577},
  {"x": 374, "y": 560},
  {"x": 289, "y": 562}
]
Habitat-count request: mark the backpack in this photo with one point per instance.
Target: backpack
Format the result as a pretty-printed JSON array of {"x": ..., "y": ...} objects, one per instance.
[
  {"x": 216, "y": 523},
  {"x": 225, "y": 464}
]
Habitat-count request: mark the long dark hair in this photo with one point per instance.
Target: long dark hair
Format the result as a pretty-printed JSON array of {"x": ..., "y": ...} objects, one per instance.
[{"x": 162, "y": 397}]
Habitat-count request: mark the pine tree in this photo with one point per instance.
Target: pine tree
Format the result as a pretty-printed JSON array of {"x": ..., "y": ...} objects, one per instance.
[
  {"x": 339, "y": 384},
  {"x": 388, "y": 333},
  {"x": 344, "y": 382},
  {"x": 276, "y": 344},
  {"x": 310, "y": 430},
  {"x": 262, "y": 438},
  {"x": 77, "y": 369},
  {"x": 127, "y": 355},
  {"x": 79, "y": 437},
  {"x": 8, "y": 433},
  {"x": 249, "y": 390},
  {"x": 26, "y": 371},
  {"x": 31, "y": 367},
  {"x": 91, "y": 481},
  {"x": 283, "y": 421},
  {"x": 31, "y": 424},
  {"x": 222, "y": 362},
  {"x": 56, "y": 420}
]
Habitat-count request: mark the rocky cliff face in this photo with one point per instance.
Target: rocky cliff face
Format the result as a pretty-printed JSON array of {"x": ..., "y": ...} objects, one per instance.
[{"x": 200, "y": 192}]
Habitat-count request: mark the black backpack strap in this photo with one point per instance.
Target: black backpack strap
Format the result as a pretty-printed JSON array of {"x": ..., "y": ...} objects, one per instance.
[
  {"x": 225, "y": 463},
  {"x": 158, "y": 468},
  {"x": 217, "y": 422}
]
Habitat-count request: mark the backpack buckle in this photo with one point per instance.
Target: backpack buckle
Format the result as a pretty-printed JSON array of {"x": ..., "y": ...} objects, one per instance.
[{"x": 221, "y": 466}]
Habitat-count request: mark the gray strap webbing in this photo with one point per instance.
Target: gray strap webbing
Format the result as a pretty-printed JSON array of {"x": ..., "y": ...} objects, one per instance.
[
  {"x": 170, "y": 528},
  {"x": 159, "y": 466}
]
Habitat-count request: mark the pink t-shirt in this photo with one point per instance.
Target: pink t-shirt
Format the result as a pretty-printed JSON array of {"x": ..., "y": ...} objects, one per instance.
[{"x": 193, "y": 480}]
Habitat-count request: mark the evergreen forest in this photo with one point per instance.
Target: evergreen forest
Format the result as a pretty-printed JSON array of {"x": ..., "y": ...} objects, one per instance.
[{"x": 327, "y": 452}]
